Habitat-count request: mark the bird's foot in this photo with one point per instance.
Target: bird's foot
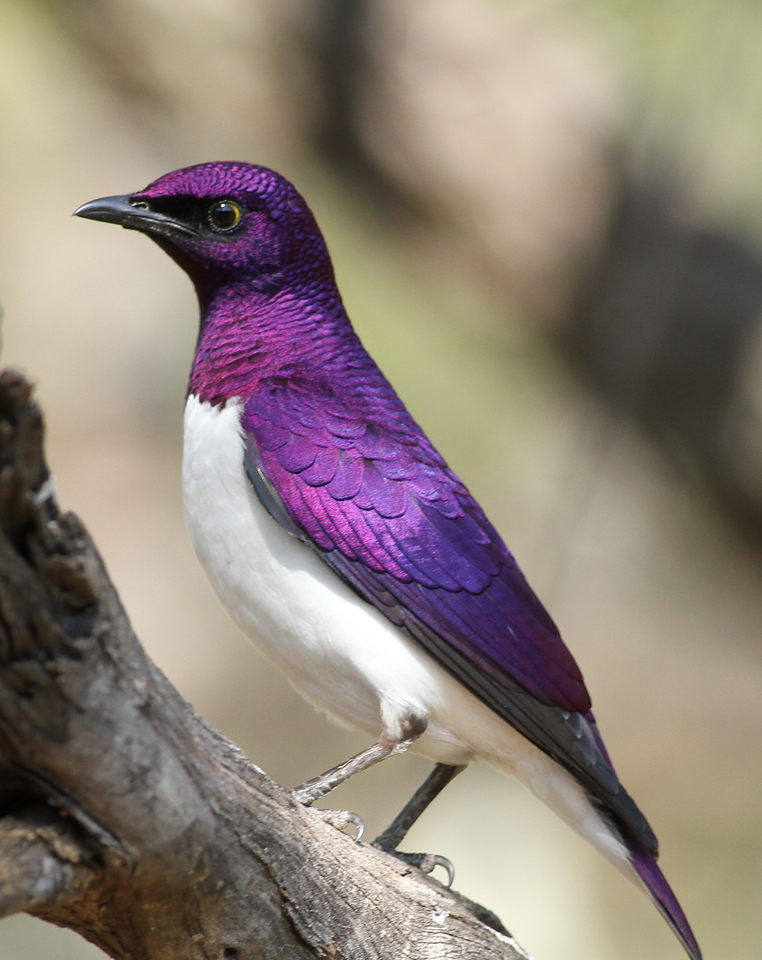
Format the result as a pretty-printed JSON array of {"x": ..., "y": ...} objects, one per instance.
[
  {"x": 305, "y": 795},
  {"x": 341, "y": 819},
  {"x": 425, "y": 862}
]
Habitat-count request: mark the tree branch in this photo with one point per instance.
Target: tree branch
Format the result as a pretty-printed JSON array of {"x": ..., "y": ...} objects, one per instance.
[{"x": 126, "y": 818}]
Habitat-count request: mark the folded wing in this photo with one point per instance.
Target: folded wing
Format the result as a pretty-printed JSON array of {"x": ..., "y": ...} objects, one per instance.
[{"x": 382, "y": 509}]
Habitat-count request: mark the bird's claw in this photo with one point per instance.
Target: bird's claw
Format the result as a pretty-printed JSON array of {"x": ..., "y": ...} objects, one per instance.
[
  {"x": 341, "y": 819},
  {"x": 426, "y": 862}
]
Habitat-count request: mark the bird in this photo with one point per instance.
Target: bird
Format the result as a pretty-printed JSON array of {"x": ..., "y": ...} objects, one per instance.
[{"x": 341, "y": 542}]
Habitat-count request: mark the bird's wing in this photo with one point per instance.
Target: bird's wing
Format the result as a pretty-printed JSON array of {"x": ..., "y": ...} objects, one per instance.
[{"x": 383, "y": 510}]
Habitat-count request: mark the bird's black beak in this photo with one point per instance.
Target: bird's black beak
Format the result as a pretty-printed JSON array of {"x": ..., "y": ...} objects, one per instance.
[{"x": 133, "y": 214}]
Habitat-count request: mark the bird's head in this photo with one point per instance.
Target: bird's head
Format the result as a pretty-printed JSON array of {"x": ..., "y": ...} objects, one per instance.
[{"x": 224, "y": 222}]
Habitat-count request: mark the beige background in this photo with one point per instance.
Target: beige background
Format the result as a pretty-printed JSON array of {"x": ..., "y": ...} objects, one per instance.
[{"x": 658, "y": 599}]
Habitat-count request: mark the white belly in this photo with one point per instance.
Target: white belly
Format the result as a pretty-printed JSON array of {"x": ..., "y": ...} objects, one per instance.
[{"x": 337, "y": 650}]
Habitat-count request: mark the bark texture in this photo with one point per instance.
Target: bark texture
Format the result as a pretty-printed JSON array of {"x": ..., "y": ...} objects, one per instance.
[{"x": 125, "y": 817}]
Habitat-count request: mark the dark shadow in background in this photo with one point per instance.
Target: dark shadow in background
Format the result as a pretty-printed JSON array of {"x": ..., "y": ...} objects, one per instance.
[{"x": 664, "y": 330}]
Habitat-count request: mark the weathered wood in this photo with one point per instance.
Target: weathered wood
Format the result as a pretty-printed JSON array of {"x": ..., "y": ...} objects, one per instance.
[{"x": 125, "y": 817}]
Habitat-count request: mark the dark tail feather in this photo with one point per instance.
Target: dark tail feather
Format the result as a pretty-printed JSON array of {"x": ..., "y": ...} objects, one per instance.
[
  {"x": 660, "y": 892},
  {"x": 643, "y": 852}
]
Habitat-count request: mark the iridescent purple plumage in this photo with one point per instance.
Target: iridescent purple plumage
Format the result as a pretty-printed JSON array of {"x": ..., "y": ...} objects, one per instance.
[{"x": 339, "y": 463}]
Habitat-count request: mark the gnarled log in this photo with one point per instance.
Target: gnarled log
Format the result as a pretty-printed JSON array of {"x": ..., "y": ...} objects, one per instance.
[{"x": 125, "y": 817}]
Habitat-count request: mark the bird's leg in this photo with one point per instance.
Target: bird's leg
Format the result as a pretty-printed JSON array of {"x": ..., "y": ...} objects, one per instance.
[
  {"x": 310, "y": 791},
  {"x": 431, "y": 787},
  {"x": 395, "y": 833}
]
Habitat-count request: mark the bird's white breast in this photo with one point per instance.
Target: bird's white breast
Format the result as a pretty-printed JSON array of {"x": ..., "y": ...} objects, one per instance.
[{"x": 336, "y": 649}]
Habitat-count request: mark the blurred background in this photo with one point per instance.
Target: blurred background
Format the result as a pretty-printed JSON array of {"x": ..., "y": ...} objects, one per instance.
[{"x": 546, "y": 220}]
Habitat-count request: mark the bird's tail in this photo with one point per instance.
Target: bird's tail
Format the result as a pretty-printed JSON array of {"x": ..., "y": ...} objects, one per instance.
[
  {"x": 640, "y": 866},
  {"x": 607, "y": 818},
  {"x": 644, "y": 864}
]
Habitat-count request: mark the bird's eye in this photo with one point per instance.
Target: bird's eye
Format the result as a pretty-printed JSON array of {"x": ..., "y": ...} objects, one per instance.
[{"x": 224, "y": 216}]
